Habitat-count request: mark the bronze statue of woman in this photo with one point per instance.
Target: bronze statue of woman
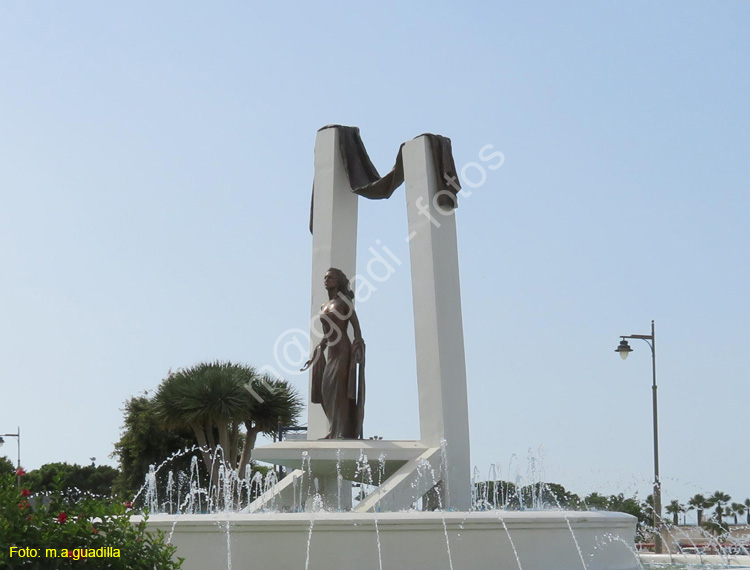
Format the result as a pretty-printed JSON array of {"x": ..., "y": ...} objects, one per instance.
[{"x": 336, "y": 385}]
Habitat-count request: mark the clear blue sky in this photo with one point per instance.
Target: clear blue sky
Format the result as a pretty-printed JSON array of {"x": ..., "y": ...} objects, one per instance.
[{"x": 156, "y": 161}]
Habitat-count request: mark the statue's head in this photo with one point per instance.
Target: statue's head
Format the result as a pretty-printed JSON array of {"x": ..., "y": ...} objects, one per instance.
[{"x": 337, "y": 279}]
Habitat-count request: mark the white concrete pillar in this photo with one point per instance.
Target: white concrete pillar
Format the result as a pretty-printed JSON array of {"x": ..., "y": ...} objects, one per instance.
[
  {"x": 436, "y": 293},
  {"x": 334, "y": 243}
]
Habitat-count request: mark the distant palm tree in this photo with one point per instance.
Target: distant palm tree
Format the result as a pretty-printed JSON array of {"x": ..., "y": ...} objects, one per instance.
[
  {"x": 728, "y": 512},
  {"x": 675, "y": 509},
  {"x": 698, "y": 502},
  {"x": 738, "y": 509},
  {"x": 719, "y": 499},
  {"x": 746, "y": 504}
]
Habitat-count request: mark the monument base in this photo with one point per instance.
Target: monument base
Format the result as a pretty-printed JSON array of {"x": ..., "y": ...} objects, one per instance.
[
  {"x": 531, "y": 540},
  {"x": 400, "y": 473},
  {"x": 342, "y": 456}
]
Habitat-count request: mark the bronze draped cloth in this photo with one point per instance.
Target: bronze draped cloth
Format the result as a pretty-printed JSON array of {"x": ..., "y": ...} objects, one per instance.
[{"x": 365, "y": 181}]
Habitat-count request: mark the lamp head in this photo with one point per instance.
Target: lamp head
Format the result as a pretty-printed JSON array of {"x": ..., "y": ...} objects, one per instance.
[{"x": 624, "y": 349}]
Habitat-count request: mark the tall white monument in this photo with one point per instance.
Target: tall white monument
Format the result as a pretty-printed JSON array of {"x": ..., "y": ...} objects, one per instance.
[
  {"x": 441, "y": 371},
  {"x": 306, "y": 520}
]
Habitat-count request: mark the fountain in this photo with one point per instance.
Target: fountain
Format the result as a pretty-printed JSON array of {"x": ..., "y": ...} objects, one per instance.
[{"x": 315, "y": 523}]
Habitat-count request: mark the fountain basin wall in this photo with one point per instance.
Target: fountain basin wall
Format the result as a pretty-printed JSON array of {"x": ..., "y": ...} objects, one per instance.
[
  {"x": 539, "y": 540},
  {"x": 699, "y": 560}
]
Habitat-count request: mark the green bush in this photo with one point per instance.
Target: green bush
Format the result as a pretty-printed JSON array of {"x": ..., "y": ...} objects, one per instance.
[{"x": 80, "y": 533}]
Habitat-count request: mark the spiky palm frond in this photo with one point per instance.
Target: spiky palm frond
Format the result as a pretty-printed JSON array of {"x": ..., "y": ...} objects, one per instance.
[
  {"x": 674, "y": 508},
  {"x": 271, "y": 401},
  {"x": 718, "y": 498},
  {"x": 205, "y": 393},
  {"x": 223, "y": 392},
  {"x": 698, "y": 502}
]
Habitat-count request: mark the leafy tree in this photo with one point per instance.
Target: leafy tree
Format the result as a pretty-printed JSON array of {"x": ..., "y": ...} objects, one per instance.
[
  {"x": 506, "y": 495},
  {"x": 6, "y": 466},
  {"x": 557, "y": 495},
  {"x": 71, "y": 479},
  {"x": 621, "y": 504},
  {"x": 144, "y": 442},
  {"x": 699, "y": 503},
  {"x": 715, "y": 527},
  {"x": 630, "y": 505},
  {"x": 216, "y": 400},
  {"x": 596, "y": 502},
  {"x": 493, "y": 494},
  {"x": 616, "y": 503},
  {"x": 746, "y": 504}
]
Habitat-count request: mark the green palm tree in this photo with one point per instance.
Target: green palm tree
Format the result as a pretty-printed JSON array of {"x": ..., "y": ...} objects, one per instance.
[
  {"x": 699, "y": 503},
  {"x": 738, "y": 509},
  {"x": 746, "y": 504},
  {"x": 216, "y": 399},
  {"x": 205, "y": 399},
  {"x": 268, "y": 403},
  {"x": 727, "y": 513},
  {"x": 719, "y": 499},
  {"x": 675, "y": 509}
]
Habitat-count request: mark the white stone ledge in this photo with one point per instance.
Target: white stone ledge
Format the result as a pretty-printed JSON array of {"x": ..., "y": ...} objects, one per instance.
[
  {"x": 328, "y": 455},
  {"x": 697, "y": 559},
  {"x": 542, "y": 540},
  {"x": 487, "y": 520}
]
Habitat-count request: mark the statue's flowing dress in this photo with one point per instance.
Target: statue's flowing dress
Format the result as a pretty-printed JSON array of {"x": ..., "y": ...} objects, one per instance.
[
  {"x": 340, "y": 410},
  {"x": 331, "y": 376}
]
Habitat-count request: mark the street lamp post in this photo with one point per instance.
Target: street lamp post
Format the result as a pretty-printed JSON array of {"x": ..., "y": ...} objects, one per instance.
[
  {"x": 624, "y": 349},
  {"x": 17, "y": 435}
]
